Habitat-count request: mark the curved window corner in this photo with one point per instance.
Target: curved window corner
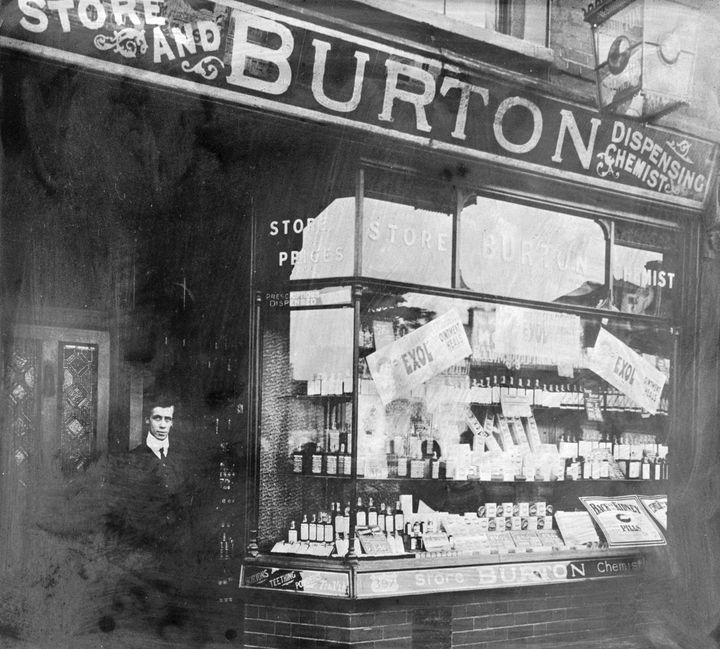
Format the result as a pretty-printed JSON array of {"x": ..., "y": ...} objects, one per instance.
[{"x": 529, "y": 253}]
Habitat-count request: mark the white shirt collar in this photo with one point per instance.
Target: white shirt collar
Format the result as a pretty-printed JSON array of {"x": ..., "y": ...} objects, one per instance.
[{"x": 155, "y": 445}]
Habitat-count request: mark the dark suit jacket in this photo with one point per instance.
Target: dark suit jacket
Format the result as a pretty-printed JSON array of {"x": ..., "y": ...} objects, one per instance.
[{"x": 152, "y": 498}]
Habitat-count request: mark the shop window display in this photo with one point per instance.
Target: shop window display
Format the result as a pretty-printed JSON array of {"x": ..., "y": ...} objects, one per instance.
[{"x": 473, "y": 402}]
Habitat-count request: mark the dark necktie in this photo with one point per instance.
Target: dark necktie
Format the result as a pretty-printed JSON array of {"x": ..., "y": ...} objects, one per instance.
[{"x": 162, "y": 453}]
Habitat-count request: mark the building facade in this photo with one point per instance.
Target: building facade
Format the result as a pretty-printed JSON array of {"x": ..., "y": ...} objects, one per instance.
[{"x": 265, "y": 206}]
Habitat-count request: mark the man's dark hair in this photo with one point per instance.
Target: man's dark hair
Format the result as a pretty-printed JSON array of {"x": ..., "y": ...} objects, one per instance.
[{"x": 158, "y": 399}]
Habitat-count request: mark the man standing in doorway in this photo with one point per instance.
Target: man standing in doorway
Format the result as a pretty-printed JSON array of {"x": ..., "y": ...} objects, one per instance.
[
  {"x": 160, "y": 493},
  {"x": 154, "y": 517}
]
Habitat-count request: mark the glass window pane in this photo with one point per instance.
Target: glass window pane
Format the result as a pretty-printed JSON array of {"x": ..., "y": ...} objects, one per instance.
[
  {"x": 526, "y": 19},
  {"x": 536, "y": 21},
  {"x": 327, "y": 243},
  {"x": 406, "y": 244},
  {"x": 525, "y": 252},
  {"x": 78, "y": 407},
  {"x": 306, "y": 356},
  {"x": 407, "y": 227},
  {"x": 646, "y": 264},
  {"x": 573, "y": 400},
  {"x": 474, "y": 12}
]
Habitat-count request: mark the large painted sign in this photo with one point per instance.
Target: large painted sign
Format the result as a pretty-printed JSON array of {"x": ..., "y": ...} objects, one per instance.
[
  {"x": 442, "y": 580},
  {"x": 266, "y": 60}
]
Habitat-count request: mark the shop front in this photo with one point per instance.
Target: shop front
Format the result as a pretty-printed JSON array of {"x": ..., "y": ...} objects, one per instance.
[{"x": 466, "y": 310}]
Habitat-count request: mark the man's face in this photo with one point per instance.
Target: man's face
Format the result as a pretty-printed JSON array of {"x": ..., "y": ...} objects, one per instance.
[{"x": 161, "y": 421}]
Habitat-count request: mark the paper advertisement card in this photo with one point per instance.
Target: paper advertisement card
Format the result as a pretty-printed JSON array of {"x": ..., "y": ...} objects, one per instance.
[{"x": 624, "y": 521}]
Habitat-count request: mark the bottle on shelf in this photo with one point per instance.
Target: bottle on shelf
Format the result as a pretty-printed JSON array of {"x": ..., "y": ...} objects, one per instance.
[
  {"x": 634, "y": 469},
  {"x": 360, "y": 514},
  {"x": 333, "y": 439},
  {"x": 328, "y": 530},
  {"x": 292, "y": 533},
  {"x": 586, "y": 468},
  {"x": 316, "y": 465},
  {"x": 341, "y": 460},
  {"x": 305, "y": 529},
  {"x": 657, "y": 469},
  {"x": 346, "y": 519},
  {"x": 402, "y": 466},
  {"x": 573, "y": 469},
  {"x": 389, "y": 520},
  {"x": 347, "y": 460},
  {"x": 297, "y": 461},
  {"x": 434, "y": 466},
  {"x": 645, "y": 468},
  {"x": 331, "y": 463},
  {"x": 372, "y": 514},
  {"x": 338, "y": 520},
  {"x": 312, "y": 528},
  {"x": 399, "y": 517},
  {"x": 381, "y": 517}
]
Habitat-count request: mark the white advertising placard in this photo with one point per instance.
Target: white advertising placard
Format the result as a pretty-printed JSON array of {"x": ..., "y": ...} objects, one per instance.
[
  {"x": 627, "y": 371},
  {"x": 623, "y": 520},
  {"x": 538, "y": 337},
  {"x": 412, "y": 360},
  {"x": 657, "y": 508},
  {"x": 516, "y": 405}
]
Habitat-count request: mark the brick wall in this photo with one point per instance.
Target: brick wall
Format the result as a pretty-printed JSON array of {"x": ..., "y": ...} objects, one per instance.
[
  {"x": 308, "y": 627},
  {"x": 570, "y": 38},
  {"x": 574, "y": 612},
  {"x": 506, "y": 619}
]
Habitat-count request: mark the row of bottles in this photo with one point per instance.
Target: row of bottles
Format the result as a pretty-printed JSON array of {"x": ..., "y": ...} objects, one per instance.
[
  {"x": 386, "y": 531},
  {"x": 550, "y": 394},
  {"x": 595, "y": 468},
  {"x": 493, "y": 389},
  {"x": 328, "y": 525},
  {"x": 316, "y": 461},
  {"x": 423, "y": 465}
]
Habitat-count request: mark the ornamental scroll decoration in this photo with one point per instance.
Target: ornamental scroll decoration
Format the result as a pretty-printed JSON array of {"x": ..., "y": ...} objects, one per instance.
[
  {"x": 606, "y": 165},
  {"x": 208, "y": 68},
  {"x": 127, "y": 42}
]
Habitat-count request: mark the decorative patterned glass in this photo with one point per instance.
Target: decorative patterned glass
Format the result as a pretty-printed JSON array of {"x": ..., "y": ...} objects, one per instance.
[
  {"x": 21, "y": 375},
  {"x": 78, "y": 406}
]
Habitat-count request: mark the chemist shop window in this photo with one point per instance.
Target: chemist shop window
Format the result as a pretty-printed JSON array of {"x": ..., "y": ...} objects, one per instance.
[
  {"x": 306, "y": 350},
  {"x": 407, "y": 229},
  {"x": 646, "y": 264},
  {"x": 565, "y": 365},
  {"x": 530, "y": 253},
  {"x": 525, "y": 19},
  {"x": 325, "y": 242}
]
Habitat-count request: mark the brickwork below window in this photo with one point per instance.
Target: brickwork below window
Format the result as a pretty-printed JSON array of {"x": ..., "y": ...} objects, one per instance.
[{"x": 616, "y": 610}]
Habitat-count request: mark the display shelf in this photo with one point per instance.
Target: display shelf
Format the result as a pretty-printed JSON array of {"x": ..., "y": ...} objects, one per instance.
[
  {"x": 411, "y": 561},
  {"x": 510, "y": 483},
  {"x": 379, "y": 577},
  {"x": 316, "y": 397}
]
